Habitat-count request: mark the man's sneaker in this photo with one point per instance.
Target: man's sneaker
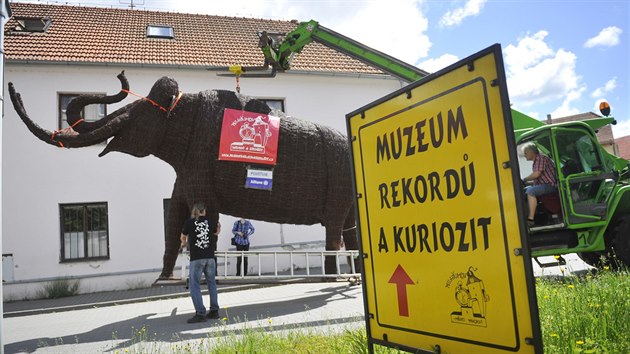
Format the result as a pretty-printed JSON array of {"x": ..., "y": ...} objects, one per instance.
[
  {"x": 213, "y": 315},
  {"x": 196, "y": 319}
]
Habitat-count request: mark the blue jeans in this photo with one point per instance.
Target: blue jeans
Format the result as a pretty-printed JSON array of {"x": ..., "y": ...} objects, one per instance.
[
  {"x": 207, "y": 266},
  {"x": 540, "y": 189}
]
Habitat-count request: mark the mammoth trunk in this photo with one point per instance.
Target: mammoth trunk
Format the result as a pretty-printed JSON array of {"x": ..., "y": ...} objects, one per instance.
[{"x": 91, "y": 133}]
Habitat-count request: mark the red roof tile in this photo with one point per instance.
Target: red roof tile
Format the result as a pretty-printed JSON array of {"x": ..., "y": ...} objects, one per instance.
[
  {"x": 107, "y": 35},
  {"x": 624, "y": 146}
]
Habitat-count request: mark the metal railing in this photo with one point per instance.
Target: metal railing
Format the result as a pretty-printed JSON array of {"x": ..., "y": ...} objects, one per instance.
[{"x": 283, "y": 264}]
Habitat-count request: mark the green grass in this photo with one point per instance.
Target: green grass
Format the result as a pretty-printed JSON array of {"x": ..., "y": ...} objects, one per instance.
[
  {"x": 588, "y": 314},
  {"x": 259, "y": 340},
  {"x": 578, "y": 315}
]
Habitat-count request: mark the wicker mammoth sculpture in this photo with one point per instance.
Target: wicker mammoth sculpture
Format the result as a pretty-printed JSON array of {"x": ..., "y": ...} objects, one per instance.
[{"x": 311, "y": 178}]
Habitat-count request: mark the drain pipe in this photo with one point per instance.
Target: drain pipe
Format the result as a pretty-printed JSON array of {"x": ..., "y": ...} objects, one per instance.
[{"x": 5, "y": 13}]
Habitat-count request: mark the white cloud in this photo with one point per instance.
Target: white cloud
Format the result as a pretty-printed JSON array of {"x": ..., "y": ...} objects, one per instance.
[
  {"x": 565, "y": 108},
  {"x": 395, "y": 27},
  {"x": 435, "y": 64},
  {"x": 535, "y": 115},
  {"x": 609, "y": 86},
  {"x": 455, "y": 17},
  {"x": 530, "y": 51},
  {"x": 608, "y": 37},
  {"x": 621, "y": 129},
  {"x": 538, "y": 74},
  {"x": 242, "y": 8}
]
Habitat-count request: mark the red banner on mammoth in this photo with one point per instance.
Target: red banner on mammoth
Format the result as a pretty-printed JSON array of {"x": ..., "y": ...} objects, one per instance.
[{"x": 249, "y": 137}]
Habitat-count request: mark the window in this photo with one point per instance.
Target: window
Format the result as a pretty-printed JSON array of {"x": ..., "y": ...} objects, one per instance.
[
  {"x": 84, "y": 232},
  {"x": 577, "y": 151},
  {"x": 154, "y": 31},
  {"x": 274, "y": 104},
  {"x": 32, "y": 24},
  {"x": 90, "y": 113}
]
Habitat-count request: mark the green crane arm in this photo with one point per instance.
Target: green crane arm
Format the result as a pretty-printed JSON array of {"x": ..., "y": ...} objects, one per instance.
[{"x": 279, "y": 54}]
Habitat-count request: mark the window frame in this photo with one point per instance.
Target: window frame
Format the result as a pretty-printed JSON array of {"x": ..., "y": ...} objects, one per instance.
[
  {"x": 61, "y": 111},
  {"x": 85, "y": 232},
  {"x": 25, "y": 24},
  {"x": 158, "y": 31},
  {"x": 281, "y": 100}
]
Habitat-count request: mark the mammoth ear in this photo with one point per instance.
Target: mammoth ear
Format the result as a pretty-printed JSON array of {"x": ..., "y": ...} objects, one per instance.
[
  {"x": 163, "y": 91},
  {"x": 254, "y": 105}
]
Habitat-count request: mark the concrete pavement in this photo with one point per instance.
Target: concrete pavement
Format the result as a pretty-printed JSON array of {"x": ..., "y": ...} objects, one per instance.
[
  {"x": 158, "y": 324},
  {"x": 110, "y": 298},
  {"x": 154, "y": 319}
]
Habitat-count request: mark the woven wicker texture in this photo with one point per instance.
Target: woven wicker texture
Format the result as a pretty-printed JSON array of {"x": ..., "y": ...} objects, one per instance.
[{"x": 311, "y": 179}]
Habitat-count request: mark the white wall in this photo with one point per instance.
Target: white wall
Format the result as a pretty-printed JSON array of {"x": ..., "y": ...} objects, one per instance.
[{"x": 37, "y": 177}]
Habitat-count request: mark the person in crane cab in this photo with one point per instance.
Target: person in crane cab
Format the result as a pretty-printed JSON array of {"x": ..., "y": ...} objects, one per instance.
[{"x": 543, "y": 179}]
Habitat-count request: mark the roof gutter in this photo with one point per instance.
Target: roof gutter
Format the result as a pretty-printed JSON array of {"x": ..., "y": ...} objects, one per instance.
[{"x": 192, "y": 67}]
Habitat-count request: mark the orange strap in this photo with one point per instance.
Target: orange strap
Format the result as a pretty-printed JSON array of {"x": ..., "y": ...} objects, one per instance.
[
  {"x": 69, "y": 129},
  {"x": 146, "y": 99},
  {"x": 155, "y": 103},
  {"x": 65, "y": 130}
]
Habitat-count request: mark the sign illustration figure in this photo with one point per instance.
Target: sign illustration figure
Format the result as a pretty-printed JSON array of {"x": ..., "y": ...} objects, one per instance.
[
  {"x": 472, "y": 300},
  {"x": 253, "y": 138},
  {"x": 249, "y": 137}
]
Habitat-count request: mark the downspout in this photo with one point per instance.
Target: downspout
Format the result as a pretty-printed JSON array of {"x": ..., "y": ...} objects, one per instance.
[{"x": 5, "y": 13}]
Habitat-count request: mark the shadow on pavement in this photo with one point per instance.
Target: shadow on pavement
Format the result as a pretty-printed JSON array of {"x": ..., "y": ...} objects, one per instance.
[{"x": 173, "y": 328}]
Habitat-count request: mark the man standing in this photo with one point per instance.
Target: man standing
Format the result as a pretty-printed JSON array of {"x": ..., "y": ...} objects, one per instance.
[
  {"x": 543, "y": 176},
  {"x": 242, "y": 229},
  {"x": 198, "y": 233}
]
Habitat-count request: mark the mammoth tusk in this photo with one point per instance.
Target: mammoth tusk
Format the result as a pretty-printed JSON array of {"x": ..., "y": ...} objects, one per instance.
[
  {"x": 62, "y": 138},
  {"x": 75, "y": 107}
]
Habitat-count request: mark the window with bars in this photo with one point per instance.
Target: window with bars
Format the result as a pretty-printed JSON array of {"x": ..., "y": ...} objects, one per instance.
[
  {"x": 90, "y": 113},
  {"x": 84, "y": 232}
]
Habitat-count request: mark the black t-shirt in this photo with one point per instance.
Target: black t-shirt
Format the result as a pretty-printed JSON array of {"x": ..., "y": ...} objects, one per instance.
[{"x": 201, "y": 240}]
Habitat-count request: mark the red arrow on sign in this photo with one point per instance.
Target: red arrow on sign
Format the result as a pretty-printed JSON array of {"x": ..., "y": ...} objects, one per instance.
[{"x": 401, "y": 279}]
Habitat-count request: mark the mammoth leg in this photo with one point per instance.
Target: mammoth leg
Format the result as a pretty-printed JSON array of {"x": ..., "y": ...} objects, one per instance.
[
  {"x": 177, "y": 213},
  {"x": 350, "y": 239},
  {"x": 333, "y": 243}
]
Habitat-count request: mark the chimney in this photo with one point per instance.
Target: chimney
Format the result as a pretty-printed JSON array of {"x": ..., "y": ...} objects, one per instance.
[{"x": 548, "y": 118}]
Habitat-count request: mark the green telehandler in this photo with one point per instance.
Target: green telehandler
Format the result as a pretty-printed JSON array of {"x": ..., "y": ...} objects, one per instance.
[{"x": 590, "y": 214}]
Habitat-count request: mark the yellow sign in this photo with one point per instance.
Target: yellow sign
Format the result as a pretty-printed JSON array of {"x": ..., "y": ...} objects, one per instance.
[{"x": 434, "y": 165}]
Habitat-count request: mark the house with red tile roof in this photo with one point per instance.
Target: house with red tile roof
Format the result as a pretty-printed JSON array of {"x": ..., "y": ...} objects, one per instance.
[
  {"x": 604, "y": 135},
  {"x": 67, "y": 212}
]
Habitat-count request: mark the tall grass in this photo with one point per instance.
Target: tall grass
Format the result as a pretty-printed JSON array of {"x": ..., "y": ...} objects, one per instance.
[{"x": 587, "y": 314}]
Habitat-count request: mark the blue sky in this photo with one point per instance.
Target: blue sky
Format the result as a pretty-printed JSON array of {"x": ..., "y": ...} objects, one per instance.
[{"x": 562, "y": 57}]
